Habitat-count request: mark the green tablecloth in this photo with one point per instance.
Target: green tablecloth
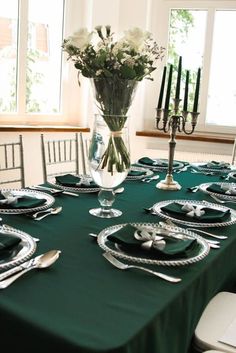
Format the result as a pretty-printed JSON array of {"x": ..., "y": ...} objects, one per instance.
[{"x": 82, "y": 304}]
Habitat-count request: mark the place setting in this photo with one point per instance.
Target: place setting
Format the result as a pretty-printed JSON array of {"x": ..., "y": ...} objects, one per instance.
[
  {"x": 221, "y": 192},
  {"x": 193, "y": 213},
  {"x": 138, "y": 173},
  {"x": 74, "y": 183},
  {"x": 211, "y": 168},
  {"x": 161, "y": 164},
  {"x": 16, "y": 247},
  {"x": 24, "y": 201},
  {"x": 152, "y": 244},
  {"x": 16, "y": 250}
]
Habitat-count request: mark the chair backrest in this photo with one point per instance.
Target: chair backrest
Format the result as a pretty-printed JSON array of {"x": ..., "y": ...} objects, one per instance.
[
  {"x": 63, "y": 156},
  {"x": 233, "y": 152},
  {"x": 12, "y": 163}
]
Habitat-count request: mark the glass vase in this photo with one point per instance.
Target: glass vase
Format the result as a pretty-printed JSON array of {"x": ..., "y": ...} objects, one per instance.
[
  {"x": 113, "y": 95},
  {"x": 109, "y": 160}
]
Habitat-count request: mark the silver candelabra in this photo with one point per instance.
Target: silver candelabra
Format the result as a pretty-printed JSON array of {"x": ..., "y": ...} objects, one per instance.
[{"x": 173, "y": 122}]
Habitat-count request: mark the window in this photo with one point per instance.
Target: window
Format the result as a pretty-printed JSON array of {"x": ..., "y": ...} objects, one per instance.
[
  {"x": 203, "y": 35},
  {"x": 43, "y": 64},
  {"x": 31, "y": 60},
  {"x": 222, "y": 85},
  {"x": 8, "y": 55},
  {"x": 187, "y": 27}
]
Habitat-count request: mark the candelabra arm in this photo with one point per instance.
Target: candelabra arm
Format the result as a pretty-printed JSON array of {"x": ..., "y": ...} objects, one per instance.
[
  {"x": 193, "y": 122},
  {"x": 162, "y": 117}
]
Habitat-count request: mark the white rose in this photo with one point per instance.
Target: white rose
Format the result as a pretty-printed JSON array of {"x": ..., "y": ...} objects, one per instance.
[
  {"x": 81, "y": 39},
  {"x": 136, "y": 38}
]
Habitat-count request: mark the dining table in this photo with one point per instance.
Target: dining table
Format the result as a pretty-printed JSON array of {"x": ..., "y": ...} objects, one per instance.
[{"x": 83, "y": 304}]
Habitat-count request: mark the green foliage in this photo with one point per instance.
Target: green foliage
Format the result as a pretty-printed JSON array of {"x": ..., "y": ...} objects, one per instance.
[
  {"x": 181, "y": 21},
  {"x": 32, "y": 78}
]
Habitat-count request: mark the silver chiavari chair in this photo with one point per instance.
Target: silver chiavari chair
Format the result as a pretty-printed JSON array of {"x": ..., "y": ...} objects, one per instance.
[
  {"x": 12, "y": 163},
  {"x": 63, "y": 156}
]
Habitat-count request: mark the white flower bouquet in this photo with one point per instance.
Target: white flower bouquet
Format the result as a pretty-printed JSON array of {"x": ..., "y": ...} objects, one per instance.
[
  {"x": 131, "y": 57},
  {"x": 115, "y": 68}
]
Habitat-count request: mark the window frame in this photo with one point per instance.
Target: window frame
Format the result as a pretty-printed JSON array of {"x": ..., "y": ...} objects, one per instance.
[
  {"x": 71, "y": 111},
  {"x": 211, "y": 7}
]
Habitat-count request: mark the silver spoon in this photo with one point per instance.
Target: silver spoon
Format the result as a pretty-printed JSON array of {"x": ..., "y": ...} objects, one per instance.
[
  {"x": 149, "y": 179},
  {"x": 119, "y": 190},
  {"x": 41, "y": 261},
  {"x": 36, "y": 214},
  {"x": 93, "y": 235},
  {"x": 53, "y": 211}
]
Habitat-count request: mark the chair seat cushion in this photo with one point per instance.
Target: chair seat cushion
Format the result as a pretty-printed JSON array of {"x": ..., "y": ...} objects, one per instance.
[{"x": 215, "y": 320}]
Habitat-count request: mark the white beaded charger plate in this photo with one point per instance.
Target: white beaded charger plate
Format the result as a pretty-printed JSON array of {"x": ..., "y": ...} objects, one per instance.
[
  {"x": 21, "y": 252},
  {"x": 108, "y": 246},
  {"x": 157, "y": 209}
]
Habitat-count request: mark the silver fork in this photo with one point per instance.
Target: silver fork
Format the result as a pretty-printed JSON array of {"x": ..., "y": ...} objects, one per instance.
[{"x": 123, "y": 266}]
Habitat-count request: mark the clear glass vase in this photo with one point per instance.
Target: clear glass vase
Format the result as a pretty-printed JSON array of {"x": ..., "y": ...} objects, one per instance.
[
  {"x": 109, "y": 160},
  {"x": 113, "y": 95}
]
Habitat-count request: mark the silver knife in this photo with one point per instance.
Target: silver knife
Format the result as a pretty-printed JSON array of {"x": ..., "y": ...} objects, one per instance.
[{"x": 16, "y": 269}]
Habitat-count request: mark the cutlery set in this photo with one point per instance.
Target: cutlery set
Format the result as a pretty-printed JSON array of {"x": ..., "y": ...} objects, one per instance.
[{"x": 41, "y": 261}]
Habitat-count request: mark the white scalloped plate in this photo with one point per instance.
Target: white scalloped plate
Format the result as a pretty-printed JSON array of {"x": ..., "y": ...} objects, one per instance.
[
  {"x": 157, "y": 210},
  {"x": 22, "y": 252},
  {"x": 109, "y": 246}
]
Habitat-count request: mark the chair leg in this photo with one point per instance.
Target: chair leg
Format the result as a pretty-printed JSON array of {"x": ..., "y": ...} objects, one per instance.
[{"x": 233, "y": 152}]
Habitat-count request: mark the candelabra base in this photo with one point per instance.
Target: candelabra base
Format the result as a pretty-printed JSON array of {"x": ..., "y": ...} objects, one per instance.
[{"x": 168, "y": 184}]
